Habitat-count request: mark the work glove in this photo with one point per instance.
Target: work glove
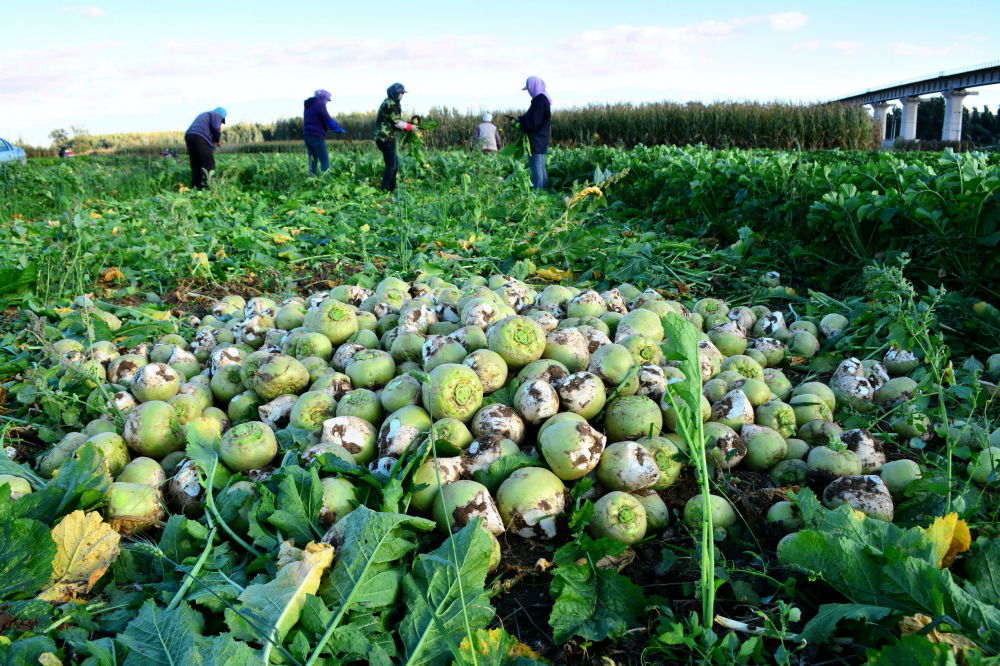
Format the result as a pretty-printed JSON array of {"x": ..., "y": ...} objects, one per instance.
[
  {"x": 340, "y": 131},
  {"x": 403, "y": 125}
]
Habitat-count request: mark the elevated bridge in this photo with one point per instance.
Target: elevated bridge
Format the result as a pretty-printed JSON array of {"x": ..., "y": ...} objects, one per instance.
[{"x": 952, "y": 86}]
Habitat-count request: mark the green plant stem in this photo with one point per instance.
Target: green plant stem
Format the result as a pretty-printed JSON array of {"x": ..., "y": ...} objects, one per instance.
[
  {"x": 195, "y": 570},
  {"x": 214, "y": 512}
]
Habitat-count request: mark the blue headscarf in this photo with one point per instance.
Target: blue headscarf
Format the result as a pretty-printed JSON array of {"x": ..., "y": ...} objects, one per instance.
[{"x": 395, "y": 91}]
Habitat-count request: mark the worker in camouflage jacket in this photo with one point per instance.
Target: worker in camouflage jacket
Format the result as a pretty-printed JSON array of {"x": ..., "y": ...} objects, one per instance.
[{"x": 387, "y": 122}]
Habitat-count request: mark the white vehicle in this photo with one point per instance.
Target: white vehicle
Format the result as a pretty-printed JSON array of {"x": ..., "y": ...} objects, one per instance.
[{"x": 11, "y": 153}]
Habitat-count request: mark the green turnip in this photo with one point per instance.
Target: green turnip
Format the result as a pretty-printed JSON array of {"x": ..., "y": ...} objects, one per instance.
[{"x": 618, "y": 516}]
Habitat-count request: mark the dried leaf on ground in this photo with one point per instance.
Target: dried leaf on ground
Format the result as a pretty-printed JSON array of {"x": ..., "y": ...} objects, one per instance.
[{"x": 85, "y": 548}]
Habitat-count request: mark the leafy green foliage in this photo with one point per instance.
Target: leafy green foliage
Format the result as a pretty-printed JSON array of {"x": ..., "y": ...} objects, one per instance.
[
  {"x": 299, "y": 498},
  {"x": 822, "y": 625},
  {"x": 370, "y": 546},
  {"x": 444, "y": 596},
  {"x": 495, "y": 474},
  {"x": 881, "y": 567},
  {"x": 174, "y": 637},
  {"x": 26, "y": 554},
  {"x": 26, "y": 652},
  {"x": 982, "y": 569},
  {"x": 591, "y": 599},
  {"x": 82, "y": 483},
  {"x": 913, "y": 649},
  {"x": 158, "y": 636},
  {"x": 593, "y": 602}
]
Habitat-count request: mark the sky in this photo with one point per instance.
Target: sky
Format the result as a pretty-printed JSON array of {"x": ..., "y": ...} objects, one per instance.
[{"x": 117, "y": 66}]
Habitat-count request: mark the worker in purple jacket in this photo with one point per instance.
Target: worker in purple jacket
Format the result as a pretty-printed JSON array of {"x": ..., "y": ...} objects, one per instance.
[
  {"x": 202, "y": 138},
  {"x": 316, "y": 121},
  {"x": 537, "y": 124}
]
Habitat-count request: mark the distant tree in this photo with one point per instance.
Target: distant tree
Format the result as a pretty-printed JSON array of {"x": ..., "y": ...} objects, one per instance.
[
  {"x": 990, "y": 121},
  {"x": 59, "y": 136},
  {"x": 79, "y": 130},
  {"x": 242, "y": 133},
  {"x": 930, "y": 119}
]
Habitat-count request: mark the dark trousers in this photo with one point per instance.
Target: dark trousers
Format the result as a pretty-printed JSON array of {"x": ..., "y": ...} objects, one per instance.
[
  {"x": 388, "y": 149},
  {"x": 202, "y": 156},
  {"x": 316, "y": 147}
]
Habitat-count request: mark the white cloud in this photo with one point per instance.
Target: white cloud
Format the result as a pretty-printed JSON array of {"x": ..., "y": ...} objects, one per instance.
[
  {"x": 848, "y": 48},
  {"x": 808, "y": 45},
  {"x": 788, "y": 20},
  {"x": 647, "y": 50},
  {"x": 85, "y": 11}
]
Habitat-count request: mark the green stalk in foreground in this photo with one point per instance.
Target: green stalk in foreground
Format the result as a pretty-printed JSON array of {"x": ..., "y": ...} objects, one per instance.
[{"x": 682, "y": 345}]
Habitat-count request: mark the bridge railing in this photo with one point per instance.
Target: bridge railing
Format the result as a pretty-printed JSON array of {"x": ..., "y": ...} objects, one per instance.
[{"x": 929, "y": 77}]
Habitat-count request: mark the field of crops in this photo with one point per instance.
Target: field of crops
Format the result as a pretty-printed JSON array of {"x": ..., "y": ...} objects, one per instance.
[{"x": 691, "y": 406}]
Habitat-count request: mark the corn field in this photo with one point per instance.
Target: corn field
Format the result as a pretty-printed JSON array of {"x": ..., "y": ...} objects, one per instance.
[{"x": 721, "y": 125}]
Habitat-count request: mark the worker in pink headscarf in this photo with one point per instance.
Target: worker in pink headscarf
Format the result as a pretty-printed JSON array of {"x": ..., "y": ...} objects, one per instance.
[{"x": 537, "y": 124}]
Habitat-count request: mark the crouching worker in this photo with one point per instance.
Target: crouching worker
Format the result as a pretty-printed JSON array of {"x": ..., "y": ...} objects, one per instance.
[{"x": 202, "y": 138}]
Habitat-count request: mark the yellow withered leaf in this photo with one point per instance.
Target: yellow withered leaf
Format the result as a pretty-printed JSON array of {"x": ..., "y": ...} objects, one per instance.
[
  {"x": 111, "y": 274},
  {"x": 496, "y": 641},
  {"x": 199, "y": 259},
  {"x": 85, "y": 548},
  {"x": 950, "y": 536},
  {"x": 281, "y": 239},
  {"x": 958, "y": 643},
  {"x": 553, "y": 274},
  {"x": 277, "y": 604}
]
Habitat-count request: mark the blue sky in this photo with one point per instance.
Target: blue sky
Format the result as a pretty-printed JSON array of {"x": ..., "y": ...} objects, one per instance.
[{"x": 115, "y": 66}]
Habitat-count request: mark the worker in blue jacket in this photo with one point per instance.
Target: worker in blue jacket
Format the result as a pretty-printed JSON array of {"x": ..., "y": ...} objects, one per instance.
[
  {"x": 316, "y": 121},
  {"x": 202, "y": 138}
]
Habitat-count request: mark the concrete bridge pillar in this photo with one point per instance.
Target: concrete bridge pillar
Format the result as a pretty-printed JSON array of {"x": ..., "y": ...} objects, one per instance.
[
  {"x": 881, "y": 111},
  {"x": 952, "y": 130},
  {"x": 908, "y": 123}
]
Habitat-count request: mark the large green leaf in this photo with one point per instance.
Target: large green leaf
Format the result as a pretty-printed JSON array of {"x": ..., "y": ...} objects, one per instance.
[
  {"x": 444, "y": 596},
  {"x": 363, "y": 637},
  {"x": 222, "y": 650},
  {"x": 26, "y": 554},
  {"x": 17, "y": 281},
  {"x": 161, "y": 637},
  {"x": 821, "y": 627},
  {"x": 913, "y": 650},
  {"x": 26, "y": 652},
  {"x": 369, "y": 547},
  {"x": 935, "y": 592},
  {"x": 299, "y": 500},
  {"x": 83, "y": 483},
  {"x": 592, "y": 603},
  {"x": 268, "y": 611},
  {"x": 368, "y": 572},
  {"x": 874, "y": 563},
  {"x": 982, "y": 569}
]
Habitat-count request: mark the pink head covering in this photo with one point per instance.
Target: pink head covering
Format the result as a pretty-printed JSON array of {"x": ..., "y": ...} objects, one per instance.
[
  {"x": 535, "y": 86},
  {"x": 323, "y": 95}
]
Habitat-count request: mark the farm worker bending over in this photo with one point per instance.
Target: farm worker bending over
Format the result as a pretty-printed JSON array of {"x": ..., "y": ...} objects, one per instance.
[
  {"x": 388, "y": 120},
  {"x": 537, "y": 124},
  {"x": 202, "y": 138},
  {"x": 316, "y": 121},
  {"x": 486, "y": 136}
]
